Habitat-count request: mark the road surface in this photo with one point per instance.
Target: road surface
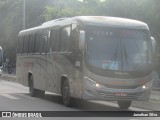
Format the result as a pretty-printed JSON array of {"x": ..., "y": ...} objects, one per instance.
[{"x": 15, "y": 97}]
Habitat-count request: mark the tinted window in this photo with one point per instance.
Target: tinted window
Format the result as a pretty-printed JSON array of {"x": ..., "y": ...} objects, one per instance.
[
  {"x": 25, "y": 44},
  {"x": 65, "y": 39},
  {"x": 49, "y": 40},
  {"x": 31, "y": 43},
  {"x": 44, "y": 42},
  {"x": 38, "y": 42},
  {"x": 74, "y": 38},
  {"x": 118, "y": 49},
  {"x": 55, "y": 35},
  {"x": 20, "y": 45},
  {"x": 53, "y": 40},
  {"x": 1, "y": 57}
]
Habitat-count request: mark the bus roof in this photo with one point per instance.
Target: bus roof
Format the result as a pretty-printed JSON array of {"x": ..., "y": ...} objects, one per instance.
[
  {"x": 98, "y": 20},
  {"x": 113, "y": 21},
  {"x": 90, "y": 20},
  {"x": 31, "y": 30}
]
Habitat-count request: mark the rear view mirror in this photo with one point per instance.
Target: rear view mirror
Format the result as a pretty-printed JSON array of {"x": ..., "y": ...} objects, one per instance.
[
  {"x": 153, "y": 45},
  {"x": 81, "y": 40}
]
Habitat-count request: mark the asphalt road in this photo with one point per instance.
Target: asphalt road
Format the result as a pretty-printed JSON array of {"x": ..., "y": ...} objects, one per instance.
[{"x": 15, "y": 97}]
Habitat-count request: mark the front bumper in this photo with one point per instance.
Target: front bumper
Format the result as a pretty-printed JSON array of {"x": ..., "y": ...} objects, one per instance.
[{"x": 112, "y": 94}]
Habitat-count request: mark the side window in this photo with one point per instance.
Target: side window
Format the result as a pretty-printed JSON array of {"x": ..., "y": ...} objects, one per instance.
[
  {"x": 55, "y": 36},
  {"x": 44, "y": 42},
  {"x": 74, "y": 37},
  {"x": 25, "y": 44},
  {"x": 23, "y": 48},
  {"x": 31, "y": 43},
  {"x": 74, "y": 31},
  {"x": 35, "y": 42},
  {"x": 19, "y": 45},
  {"x": 49, "y": 40},
  {"x": 53, "y": 40},
  {"x": 38, "y": 42},
  {"x": 65, "y": 39}
]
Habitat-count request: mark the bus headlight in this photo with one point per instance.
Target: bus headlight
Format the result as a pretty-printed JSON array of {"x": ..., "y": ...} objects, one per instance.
[
  {"x": 93, "y": 83},
  {"x": 146, "y": 86}
]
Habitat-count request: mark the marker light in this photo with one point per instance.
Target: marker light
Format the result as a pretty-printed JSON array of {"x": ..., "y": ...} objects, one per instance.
[
  {"x": 144, "y": 87},
  {"x": 94, "y": 83},
  {"x": 97, "y": 85}
]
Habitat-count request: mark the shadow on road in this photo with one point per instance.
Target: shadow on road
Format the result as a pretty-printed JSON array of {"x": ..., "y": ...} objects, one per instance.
[{"x": 81, "y": 104}]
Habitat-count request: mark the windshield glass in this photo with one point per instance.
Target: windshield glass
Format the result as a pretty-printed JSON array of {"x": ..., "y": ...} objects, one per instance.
[
  {"x": 118, "y": 49},
  {"x": 1, "y": 57}
]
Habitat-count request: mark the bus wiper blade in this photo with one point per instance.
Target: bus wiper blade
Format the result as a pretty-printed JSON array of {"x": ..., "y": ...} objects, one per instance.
[
  {"x": 114, "y": 57},
  {"x": 116, "y": 53},
  {"x": 126, "y": 55}
]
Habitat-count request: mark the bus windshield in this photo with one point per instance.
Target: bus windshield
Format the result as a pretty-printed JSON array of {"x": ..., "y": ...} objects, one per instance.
[
  {"x": 118, "y": 49},
  {"x": 1, "y": 57}
]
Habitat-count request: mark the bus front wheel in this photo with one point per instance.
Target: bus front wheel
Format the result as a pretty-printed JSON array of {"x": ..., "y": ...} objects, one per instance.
[
  {"x": 124, "y": 104},
  {"x": 66, "y": 93}
]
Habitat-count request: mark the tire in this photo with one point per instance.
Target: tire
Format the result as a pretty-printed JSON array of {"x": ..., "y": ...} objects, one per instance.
[
  {"x": 40, "y": 93},
  {"x": 34, "y": 92},
  {"x": 66, "y": 94},
  {"x": 124, "y": 104}
]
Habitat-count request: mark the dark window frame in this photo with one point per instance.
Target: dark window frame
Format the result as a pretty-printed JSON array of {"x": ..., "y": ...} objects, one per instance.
[
  {"x": 31, "y": 43},
  {"x": 25, "y": 44},
  {"x": 44, "y": 42},
  {"x": 56, "y": 39},
  {"x": 61, "y": 46}
]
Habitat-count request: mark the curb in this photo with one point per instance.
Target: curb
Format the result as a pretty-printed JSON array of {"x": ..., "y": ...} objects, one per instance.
[{"x": 8, "y": 78}]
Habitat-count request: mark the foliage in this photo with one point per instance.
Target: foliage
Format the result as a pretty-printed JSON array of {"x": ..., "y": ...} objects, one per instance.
[{"x": 39, "y": 11}]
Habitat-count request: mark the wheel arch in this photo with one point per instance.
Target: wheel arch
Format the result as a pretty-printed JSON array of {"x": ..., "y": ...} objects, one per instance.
[{"x": 63, "y": 78}]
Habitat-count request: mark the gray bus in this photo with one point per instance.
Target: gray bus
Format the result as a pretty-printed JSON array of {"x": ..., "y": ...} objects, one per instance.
[{"x": 88, "y": 57}]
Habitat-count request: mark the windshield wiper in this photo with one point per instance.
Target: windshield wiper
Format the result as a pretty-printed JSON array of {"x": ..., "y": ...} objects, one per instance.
[
  {"x": 114, "y": 57},
  {"x": 116, "y": 53}
]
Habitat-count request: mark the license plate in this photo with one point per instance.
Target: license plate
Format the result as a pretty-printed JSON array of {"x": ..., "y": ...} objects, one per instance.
[{"x": 121, "y": 94}]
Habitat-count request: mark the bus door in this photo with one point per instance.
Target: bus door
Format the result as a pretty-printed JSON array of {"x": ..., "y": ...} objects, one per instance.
[
  {"x": 51, "y": 64},
  {"x": 77, "y": 61}
]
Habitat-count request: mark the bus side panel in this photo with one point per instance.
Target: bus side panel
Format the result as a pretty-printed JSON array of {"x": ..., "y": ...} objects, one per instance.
[
  {"x": 22, "y": 68},
  {"x": 31, "y": 64},
  {"x": 39, "y": 71},
  {"x": 66, "y": 67},
  {"x": 18, "y": 70},
  {"x": 51, "y": 74}
]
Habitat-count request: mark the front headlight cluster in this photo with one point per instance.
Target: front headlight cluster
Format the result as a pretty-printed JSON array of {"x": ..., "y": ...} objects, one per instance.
[
  {"x": 146, "y": 86},
  {"x": 93, "y": 83}
]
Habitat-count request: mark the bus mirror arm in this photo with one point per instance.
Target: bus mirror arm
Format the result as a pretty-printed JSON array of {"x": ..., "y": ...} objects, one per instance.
[{"x": 81, "y": 40}]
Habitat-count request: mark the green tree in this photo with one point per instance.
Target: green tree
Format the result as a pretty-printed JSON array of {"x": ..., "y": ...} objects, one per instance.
[{"x": 39, "y": 11}]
